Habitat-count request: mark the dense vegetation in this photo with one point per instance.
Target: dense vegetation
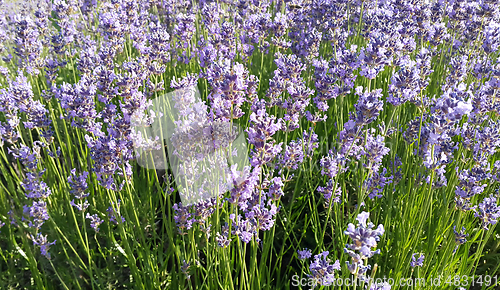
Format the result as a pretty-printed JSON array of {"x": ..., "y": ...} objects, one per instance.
[{"x": 369, "y": 144}]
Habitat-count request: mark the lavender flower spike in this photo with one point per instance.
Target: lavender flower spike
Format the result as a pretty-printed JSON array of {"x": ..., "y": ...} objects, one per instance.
[
  {"x": 364, "y": 239},
  {"x": 95, "y": 221},
  {"x": 460, "y": 237},
  {"x": 304, "y": 254},
  {"x": 488, "y": 211},
  {"x": 78, "y": 184},
  {"x": 417, "y": 262},
  {"x": 321, "y": 269},
  {"x": 41, "y": 240}
]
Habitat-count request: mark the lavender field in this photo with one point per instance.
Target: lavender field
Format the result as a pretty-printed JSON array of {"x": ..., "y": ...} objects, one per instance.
[{"x": 249, "y": 144}]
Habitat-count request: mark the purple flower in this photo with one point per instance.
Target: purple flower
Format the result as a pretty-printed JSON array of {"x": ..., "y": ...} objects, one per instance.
[
  {"x": 380, "y": 286},
  {"x": 8, "y": 130},
  {"x": 335, "y": 78},
  {"x": 368, "y": 106},
  {"x": 375, "y": 184},
  {"x": 28, "y": 46},
  {"x": 34, "y": 186},
  {"x": 460, "y": 237},
  {"x": 470, "y": 182},
  {"x": 329, "y": 194},
  {"x": 204, "y": 209},
  {"x": 114, "y": 215},
  {"x": 80, "y": 206},
  {"x": 295, "y": 105},
  {"x": 184, "y": 28},
  {"x": 304, "y": 254},
  {"x": 87, "y": 59},
  {"x": 78, "y": 102},
  {"x": 28, "y": 157},
  {"x": 265, "y": 154},
  {"x": 332, "y": 164},
  {"x": 374, "y": 151},
  {"x": 78, "y": 184},
  {"x": 19, "y": 96},
  {"x": 417, "y": 262},
  {"x": 210, "y": 13},
  {"x": 453, "y": 104},
  {"x": 322, "y": 271},
  {"x": 287, "y": 73},
  {"x": 376, "y": 55},
  {"x": 364, "y": 238},
  {"x": 293, "y": 155},
  {"x": 262, "y": 216},
  {"x": 105, "y": 77},
  {"x": 279, "y": 27},
  {"x": 185, "y": 269},
  {"x": 496, "y": 171},
  {"x": 488, "y": 211},
  {"x": 51, "y": 69},
  {"x": 295, "y": 151},
  {"x": 95, "y": 221},
  {"x": 351, "y": 140},
  {"x": 487, "y": 140},
  {"x": 262, "y": 125},
  {"x": 38, "y": 211},
  {"x": 183, "y": 218},
  {"x": 275, "y": 188},
  {"x": 12, "y": 218},
  {"x": 41, "y": 240},
  {"x": 405, "y": 84},
  {"x": 317, "y": 117},
  {"x": 245, "y": 183},
  {"x": 110, "y": 27},
  {"x": 222, "y": 240},
  {"x": 356, "y": 266},
  {"x": 108, "y": 154},
  {"x": 255, "y": 29},
  {"x": 158, "y": 39},
  {"x": 207, "y": 53},
  {"x": 184, "y": 97},
  {"x": 231, "y": 86},
  {"x": 325, "y": 84},
  {"x": 243, "y": 228}
]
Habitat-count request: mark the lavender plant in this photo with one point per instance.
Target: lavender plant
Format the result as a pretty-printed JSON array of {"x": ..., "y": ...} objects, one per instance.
[{"x": 384, "y": 112}]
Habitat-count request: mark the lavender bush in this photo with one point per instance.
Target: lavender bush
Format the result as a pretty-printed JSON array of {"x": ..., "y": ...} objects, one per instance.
[{"x": 371, "y": 133}]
